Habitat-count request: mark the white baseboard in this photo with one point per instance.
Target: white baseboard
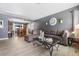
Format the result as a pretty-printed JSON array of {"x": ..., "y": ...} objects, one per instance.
[{"x": 3, "y": 38}]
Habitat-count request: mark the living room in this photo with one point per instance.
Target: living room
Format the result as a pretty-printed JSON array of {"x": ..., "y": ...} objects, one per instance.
[{"x": 39, "y": 30}]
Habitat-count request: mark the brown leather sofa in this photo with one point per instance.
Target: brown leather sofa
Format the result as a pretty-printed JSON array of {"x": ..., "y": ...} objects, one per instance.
[{"x": 61, "y": 34}]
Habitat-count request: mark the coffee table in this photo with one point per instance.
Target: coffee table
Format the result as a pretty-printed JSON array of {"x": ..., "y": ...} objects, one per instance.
[{"x": 47, "y": 44}]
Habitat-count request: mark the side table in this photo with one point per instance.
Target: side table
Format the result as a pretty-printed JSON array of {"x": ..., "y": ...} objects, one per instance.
[{"x": 73, "y": 40}]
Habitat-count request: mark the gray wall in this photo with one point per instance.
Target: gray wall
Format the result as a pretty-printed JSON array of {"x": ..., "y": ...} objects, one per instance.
[
  {"x": 4, "y": 30},
  {"x": 66, "y": 25},
  {"x": 76, "y": 16}
]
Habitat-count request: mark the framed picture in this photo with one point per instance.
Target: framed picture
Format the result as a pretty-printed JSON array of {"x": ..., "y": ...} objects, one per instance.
[{"x": 1, "y": 23}]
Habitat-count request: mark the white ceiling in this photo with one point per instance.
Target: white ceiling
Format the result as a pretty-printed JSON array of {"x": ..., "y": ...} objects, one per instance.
[{"x": 33, "y": 11}]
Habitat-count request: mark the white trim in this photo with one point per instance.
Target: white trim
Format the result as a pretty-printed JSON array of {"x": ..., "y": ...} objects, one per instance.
[{"x": 3, "y": 38}]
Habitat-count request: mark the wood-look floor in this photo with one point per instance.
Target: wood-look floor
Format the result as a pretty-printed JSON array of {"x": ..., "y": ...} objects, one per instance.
[{"x": 18, "y": 47}]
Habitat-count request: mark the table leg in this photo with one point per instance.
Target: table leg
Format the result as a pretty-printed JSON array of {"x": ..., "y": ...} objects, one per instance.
[
  {"x": 51, "y": 51},
  {"x": 57, "y": 46}
]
